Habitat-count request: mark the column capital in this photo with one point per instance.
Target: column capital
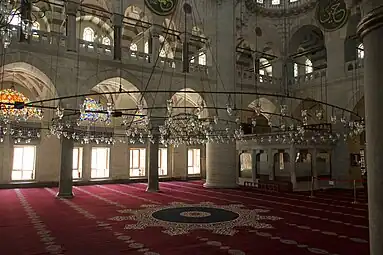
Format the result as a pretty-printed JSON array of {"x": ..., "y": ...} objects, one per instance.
[
  {"x": 117, "y": 19},
  {"x": 72, "y": 7},
  {"x": 372, "y": 19},
  {"x": 185, "y": 37},
  {"x": 155, "y": 30}
]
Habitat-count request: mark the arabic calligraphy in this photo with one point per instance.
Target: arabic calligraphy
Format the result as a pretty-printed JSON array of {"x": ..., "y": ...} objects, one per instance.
[
  {"x": 332, "y": 14},
  {"x": 161, "y": 7}
]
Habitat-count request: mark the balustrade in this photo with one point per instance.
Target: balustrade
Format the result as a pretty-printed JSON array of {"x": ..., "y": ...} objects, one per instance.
[{"x": 55, "y": 39}]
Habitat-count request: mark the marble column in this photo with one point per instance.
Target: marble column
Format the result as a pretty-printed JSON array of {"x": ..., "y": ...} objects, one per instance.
[
  {"x": 221, "y": 159},
  {"x": 71, "y": 12},
  {"x": 117, "y": 33},
  {"x": 370, "y": 30},
  {"x": 66, "y": 180},
  {"x": 152, "y": 153}
]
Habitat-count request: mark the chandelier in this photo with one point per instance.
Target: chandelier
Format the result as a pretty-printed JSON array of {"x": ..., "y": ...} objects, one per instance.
[{"x": 14, "y": 106}]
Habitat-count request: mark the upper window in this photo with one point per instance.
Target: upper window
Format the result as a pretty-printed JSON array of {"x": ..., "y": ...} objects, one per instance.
[
  {"x": 146, "y": 47},
  {"x": 296, "y": 70},
  {"x": 90, "y": 111},
  {"x": 260, "y": 1},
  {"x": 202, "y": 58},
  {"x": 308, "y": 66},
  {"x": 88, "y": 34},
  {"x": 24, "y": 158},
  {"x": 266, "y": 67},
  {"x": 14, "y": 18},
  {"x": 275, "y": 2},
  {"x": 36, "y": 26},
  {"x": 133, "y": 47},
  {"x": 360, "y": 51},
  {"x": 293, "y": 1},
  {"x": 106, "y": 40}
]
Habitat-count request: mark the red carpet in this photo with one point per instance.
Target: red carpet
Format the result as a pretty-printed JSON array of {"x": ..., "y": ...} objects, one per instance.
[{"x": 124, "y": 219}]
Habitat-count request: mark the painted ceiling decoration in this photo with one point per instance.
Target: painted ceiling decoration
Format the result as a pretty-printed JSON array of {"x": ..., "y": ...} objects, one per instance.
[
  {"x": 332, "y": 15},
  {"x": 162, "y": 7}
]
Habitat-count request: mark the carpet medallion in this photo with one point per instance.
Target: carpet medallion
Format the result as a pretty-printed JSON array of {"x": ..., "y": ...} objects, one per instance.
[{"x": 182, "y": 218}]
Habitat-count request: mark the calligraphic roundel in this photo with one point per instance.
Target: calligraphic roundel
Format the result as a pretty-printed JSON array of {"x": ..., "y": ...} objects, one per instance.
[
  {"x": 331, "y": 14},
  {"x": 162, "y": 7}
]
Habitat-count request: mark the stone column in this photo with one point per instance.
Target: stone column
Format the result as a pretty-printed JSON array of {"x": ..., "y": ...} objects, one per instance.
[
  {"x": 71, "y": 12},
  {"x": 152, "y": 153},
  {"x": 270, "y": 163},
  {"x": 26, "y": 17},
  {"x": 117, "y": 27},
  {"x": 7, "y": 162},
  {"x": 370, "y": 30},
  {"x": 293, "y": 175},
  {"x": 86, "y": 162},
  {"x": 185, "y": 37},
  {"x": 156, "y": 45},
  {"x": 66, "y": 180},
  {"x": 314, "y": 168},
  {"x": 185, "y": 53},
  {"x": 221, "y": 167}
]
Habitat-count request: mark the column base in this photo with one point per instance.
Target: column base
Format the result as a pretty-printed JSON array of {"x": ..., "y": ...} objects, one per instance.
[
  {"x": 220, "y": 186},
  {"x": 153, "y": 190},
  {"x": 65, "y": 195}
]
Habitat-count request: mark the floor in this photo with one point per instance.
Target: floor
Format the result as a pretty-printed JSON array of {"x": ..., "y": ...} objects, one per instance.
[{"x": 184, "y": 218}]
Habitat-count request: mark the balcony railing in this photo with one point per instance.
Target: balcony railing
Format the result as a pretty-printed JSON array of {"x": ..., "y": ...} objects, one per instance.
[{"x": 309, "y": 77}]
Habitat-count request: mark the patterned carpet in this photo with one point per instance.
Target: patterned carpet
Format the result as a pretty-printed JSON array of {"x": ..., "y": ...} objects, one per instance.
[{"x": 183, "y": 219}]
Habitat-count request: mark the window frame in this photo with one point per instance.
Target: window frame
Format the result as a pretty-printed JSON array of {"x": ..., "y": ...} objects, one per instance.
[
  {"x": 193, "y": 166},
  {"x": 33, "y": 171},
  {"x": 160, "y": 163},
  {"x": 80, "y": 160},
  {"x": 139, "y": 167},
  {"x": 106, "y": 170}
]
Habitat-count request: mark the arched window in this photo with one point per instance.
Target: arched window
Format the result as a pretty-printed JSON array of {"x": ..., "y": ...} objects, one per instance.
[
  {"x": 202, "y": 58},
  {"x": 296, "y": 70},
  {"x": 275, "y": 2},
  {"x": 14, "y": 18},
  {"x": 265, "y": 66},
  {"x": 308, "y": 66},
  {"x": 36, "y": 26},
  {"x": 146, "y": 47},
  {"x": 133, "y": 47},
  {"x": 360, "y": 51},
  {"x": 163, "y": 53},
  {"x": 88, "y": 34},
  {"x": 106, "y": 40}
]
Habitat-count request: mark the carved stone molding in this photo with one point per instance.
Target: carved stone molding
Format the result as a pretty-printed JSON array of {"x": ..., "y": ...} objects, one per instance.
[{"x": 371, "y": 21}]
